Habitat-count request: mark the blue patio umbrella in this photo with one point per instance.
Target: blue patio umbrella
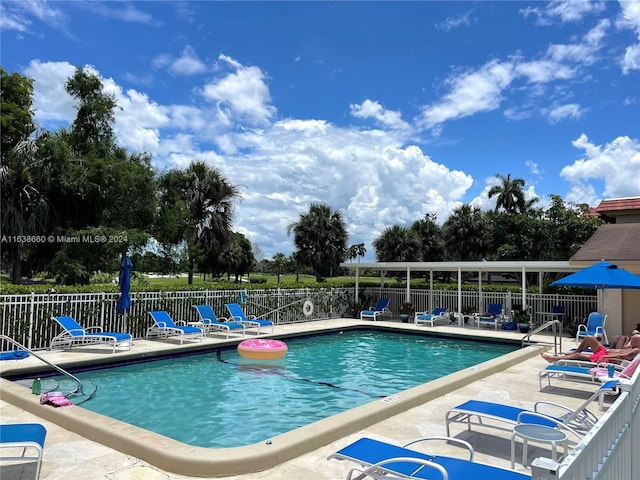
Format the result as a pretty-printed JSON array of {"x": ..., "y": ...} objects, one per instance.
[
  {"x": 600, "y": 276},
  {"x": 124, "y": 281}
]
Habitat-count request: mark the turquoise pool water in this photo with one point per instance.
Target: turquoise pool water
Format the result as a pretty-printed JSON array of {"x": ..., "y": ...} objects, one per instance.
[{"x": 219, "y": 399}]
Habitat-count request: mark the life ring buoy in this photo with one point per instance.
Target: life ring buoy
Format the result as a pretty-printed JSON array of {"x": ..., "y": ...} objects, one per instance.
[
  {"x": 307, "y": 308},
  {"x": 262, "y": 349}
]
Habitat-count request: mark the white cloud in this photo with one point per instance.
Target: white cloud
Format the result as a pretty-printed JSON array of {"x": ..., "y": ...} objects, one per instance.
[
  {"x": 52, "y": 103},
  {"x": 187, "y": 63},
  {"x": 564, "y": 10},
  {"x": 562, "y": 112},
  {"x": 630, "y": 19},
  {"x": 470, "y": 93},
  {"x": 449, "y": 23},
  {"x": 616, "y": 164},
  {"x": 243, "y": 93},
  {"x": 387, "y": 118}
]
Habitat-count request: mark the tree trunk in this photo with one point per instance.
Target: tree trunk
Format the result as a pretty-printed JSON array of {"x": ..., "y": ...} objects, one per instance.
[
  {"x": 190, "y": 275},
  {"x": 16, "y": 265}
]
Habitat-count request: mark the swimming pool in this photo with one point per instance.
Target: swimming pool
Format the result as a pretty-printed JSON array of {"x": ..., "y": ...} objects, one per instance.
[{"x": 228, "y": 401}]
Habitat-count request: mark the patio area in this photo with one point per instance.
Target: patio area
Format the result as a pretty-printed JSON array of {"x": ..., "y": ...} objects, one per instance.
[{"x": 68, "y": 455}]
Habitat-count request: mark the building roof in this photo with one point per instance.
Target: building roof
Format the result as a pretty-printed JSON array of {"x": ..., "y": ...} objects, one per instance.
[
  {"x": 616, "y": 208},
  {"x": 617, "y": 204},
  {"x": 613, "y": 242}
]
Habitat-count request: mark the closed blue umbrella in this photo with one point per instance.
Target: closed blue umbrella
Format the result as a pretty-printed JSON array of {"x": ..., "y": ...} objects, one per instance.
[
  {"x": 600, "y": 276},
  {"x": 124, "y": 302}
]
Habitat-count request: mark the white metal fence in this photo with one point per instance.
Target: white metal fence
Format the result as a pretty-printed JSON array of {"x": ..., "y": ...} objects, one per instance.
[
  {"x": 27, "y": 318},
  {"x": 577, "y": 306},
  {"x": 609, "y": 451}
]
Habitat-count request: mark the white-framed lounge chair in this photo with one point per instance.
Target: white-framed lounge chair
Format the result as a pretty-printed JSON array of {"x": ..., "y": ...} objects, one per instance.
[
  {"x": 626, "y": 373},
  {"x": 479, "y": 413},
  {"x": 236, "y": 314},
  {"x": 164, "y": 326},
  {"x": 382, "y": 460},
  {"x": 594, "y": 327},
  {"x": 74, "y": 334},
  {"x": 573, "y": 371},
  {"x": 492, "y": 317},
  {"x": 211, "y": 323},
  {"x": 27, "y": 438},
  {"x": 380, "y": 310},
  {"x": 438, "y": 314}
]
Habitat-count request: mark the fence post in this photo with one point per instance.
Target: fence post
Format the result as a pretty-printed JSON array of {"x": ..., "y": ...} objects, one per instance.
[{"x": 31, "y": 310}]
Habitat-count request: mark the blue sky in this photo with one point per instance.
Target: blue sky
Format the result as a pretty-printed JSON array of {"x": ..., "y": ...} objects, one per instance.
[{"x": 386, "y": 111}]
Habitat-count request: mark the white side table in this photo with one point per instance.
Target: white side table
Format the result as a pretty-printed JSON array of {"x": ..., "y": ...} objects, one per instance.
[{"x": 529, "y": 432}]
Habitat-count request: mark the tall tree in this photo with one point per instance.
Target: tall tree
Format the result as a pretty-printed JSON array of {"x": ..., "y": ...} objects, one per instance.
[
  {"x": 429, "y": 235},
  {"x": 16, "y": 105},
  {"x": 510, "y": 194},
  {"x": 320, "y": 236},
  {"x": 24, "y": 186},
  {"x": 196, "y": 209},
  {"x": 397, "y": 244},
  {"x": 357, "y": 250},
  {"x": 278, "y": 263},
  {"x": 92, "y": 130},
  {"x": 466, "y": 234}
]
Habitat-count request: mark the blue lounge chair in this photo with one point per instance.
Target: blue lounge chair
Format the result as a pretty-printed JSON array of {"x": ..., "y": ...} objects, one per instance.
[
  {"x": 580, "y": 371},
  {"x": 211, "y": 323},
  {"x": 493, "y": 316},
  {"x": 475, "y": 412},
  {"x": 380, "y": 310},
  {"x": 382, "y": 460},
  {"x": 236, "y": 314},
  {"x": 25, "y": 436},
  {"x": 74, "y": 334},
  {"x": 438, "y": 314},
  {"x": 594, "y": 327},
  {"x": 165, "y": 327}
]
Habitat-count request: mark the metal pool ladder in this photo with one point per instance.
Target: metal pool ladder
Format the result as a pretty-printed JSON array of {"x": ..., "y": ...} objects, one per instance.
[
  {"x": 557, "y": 335},
  {"x": 79, "y": 388}
]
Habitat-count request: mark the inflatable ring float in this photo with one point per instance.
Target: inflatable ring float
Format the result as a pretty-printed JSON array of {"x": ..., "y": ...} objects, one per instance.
[
  {"x": 307, "y": 308},
  {"x": 262, "y": 349}
]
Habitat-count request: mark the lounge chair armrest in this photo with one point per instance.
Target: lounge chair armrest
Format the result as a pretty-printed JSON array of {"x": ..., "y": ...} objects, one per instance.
[
  {"x": 586, "y": 414},
  {"x": 96, "y": 328},
  {"x": 362, "y": 473},
  {"x": 457, "y": 441},
  {"x": 559, "y": 424},
  {"x": 223, "y": 319}
]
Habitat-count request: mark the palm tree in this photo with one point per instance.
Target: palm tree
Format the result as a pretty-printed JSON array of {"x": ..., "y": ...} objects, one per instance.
[
  {"x": 208, "y": 197},
  {"x": 24, "y": 184},
  {"x": 510, "y": 194},
  {"x": 466, "y": 233},
  {"x": 356, "y": 251},
  {"x": 320, "y": 236},
  {"x": 430, "y": 237},
  {"x": 397, "y": 244},
  {"x": 278, "y": 262}
]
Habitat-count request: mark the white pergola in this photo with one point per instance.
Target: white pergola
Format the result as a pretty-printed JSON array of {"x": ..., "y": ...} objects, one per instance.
[{"x": 523, "y": 267}]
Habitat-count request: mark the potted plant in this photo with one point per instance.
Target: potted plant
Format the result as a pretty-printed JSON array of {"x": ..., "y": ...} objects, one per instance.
[
  {"x": 406, "y": 310},
  {"x": 523, "y": 319}
]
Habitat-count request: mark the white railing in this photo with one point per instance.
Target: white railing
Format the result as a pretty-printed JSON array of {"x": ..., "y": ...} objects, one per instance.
[
  {"x": 609, "y": 451},
  {"x": 577, "y": 306},
  {"x": 27, "y": 318}
]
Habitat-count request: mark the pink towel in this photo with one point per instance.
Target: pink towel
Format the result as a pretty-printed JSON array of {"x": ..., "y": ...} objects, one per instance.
[
  {"x": 57, "y": 399},
  {"x": 627, "y": 372}
]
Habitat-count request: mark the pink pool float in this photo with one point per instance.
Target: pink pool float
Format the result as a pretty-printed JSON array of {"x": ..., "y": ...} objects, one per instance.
[{"x": 262, "y": 349}]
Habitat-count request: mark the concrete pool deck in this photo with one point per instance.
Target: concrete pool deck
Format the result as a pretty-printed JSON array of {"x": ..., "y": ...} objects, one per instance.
[{"x": 418, "y": 413}]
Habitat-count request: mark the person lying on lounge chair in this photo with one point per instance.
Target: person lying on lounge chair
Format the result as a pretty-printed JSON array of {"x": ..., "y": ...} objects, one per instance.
[{"x": 599, "y": 353}]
